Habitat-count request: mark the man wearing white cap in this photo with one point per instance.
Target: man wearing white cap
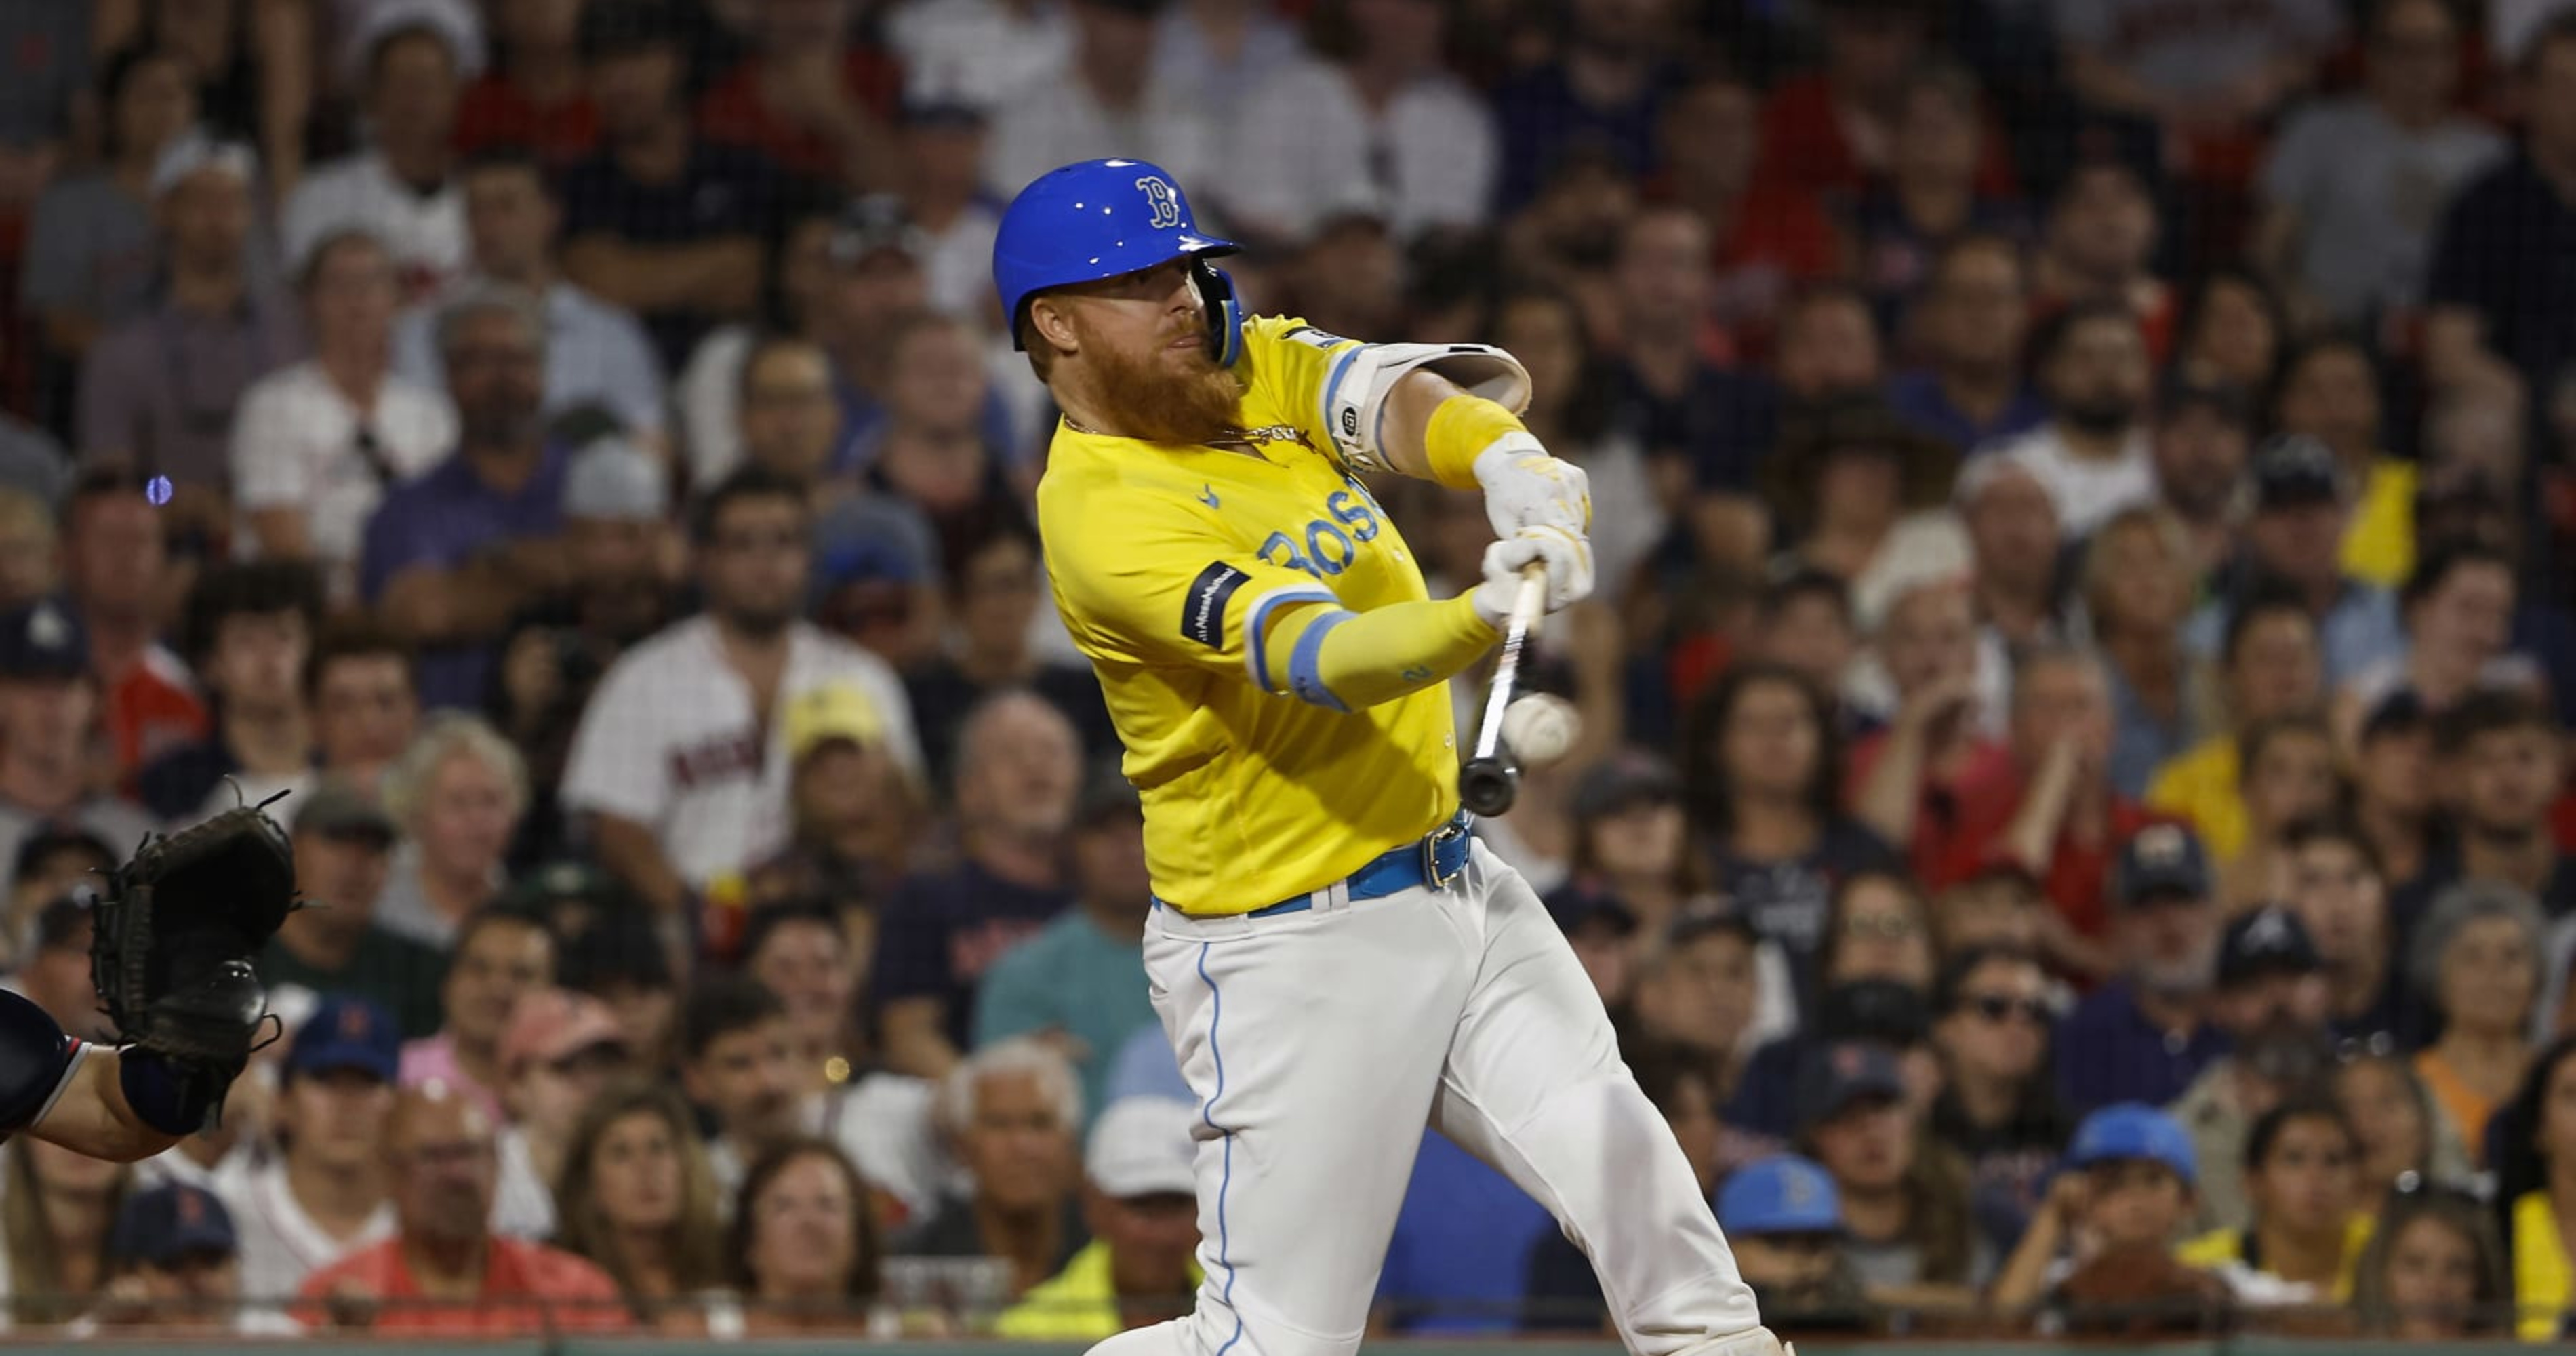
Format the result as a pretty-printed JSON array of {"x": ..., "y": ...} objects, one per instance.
[
  {"x": 158, "y": 392},
  {"x": 1141, "y": 1203},
  {"x": 404, "y": 188}
]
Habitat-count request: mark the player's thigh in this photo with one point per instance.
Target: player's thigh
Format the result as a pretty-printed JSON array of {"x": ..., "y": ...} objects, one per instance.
[
  {"x": 1314, "y": 1043},
  {"x": 1533, "y": 1021}
]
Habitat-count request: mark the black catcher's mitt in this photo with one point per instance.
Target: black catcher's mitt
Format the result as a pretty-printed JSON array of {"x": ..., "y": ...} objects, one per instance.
[{"x": 176, "y": 933}]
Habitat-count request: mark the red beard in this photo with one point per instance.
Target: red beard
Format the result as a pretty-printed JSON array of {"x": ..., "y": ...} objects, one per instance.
[{"x": 1142, "y": 399}]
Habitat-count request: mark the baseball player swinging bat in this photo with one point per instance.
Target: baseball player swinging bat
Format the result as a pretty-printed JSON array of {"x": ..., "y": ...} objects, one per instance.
[
  {"x": 1338, "y": 961},
  {"x": 1491, "y": 779}
]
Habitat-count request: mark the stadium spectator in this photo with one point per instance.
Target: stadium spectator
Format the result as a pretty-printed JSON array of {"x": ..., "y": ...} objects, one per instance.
[
  {"x": 2202, "y": 441},
  {"x": 855, "y": 812},
  {"x": 343, "y": 853},
  {"x": 2293, "y": 541},
  {"x": 47, "y": 704},
  {"x": 1074, "y": 983},
  {"x": 2476, "y": 959},
  {"x": 1878, "y": 927},
  {"x": 1833, "y": 130},
  {"x": 980, "y": 52},
  {"x": 457, "y": 793},
  {"x": 672, "y": 763},
  {"x": 158, "y": 393},
  {"x": 2535, "y": 1192},
  {"x": 600, "y": 367},
  {"x": 995, "y": 591},
  {"x": 2434, "y": 1271},
  {"x": 1601, "y": 94},
  {"x": 2503, "y": 761},
  {"x": 873, "y": 286},
  {"x": 1699, "y": 987},
  {"x": 90, "y": 252},
  {"x": 365, "y": 706},
  {"x": 1945, "y": 698},
  {"x": 403, "y": 191},
  {"x": 636, "y": 1198},
  {"x": 738, "y": 1061},
  {"x": 1858, "y": 492},
  {"x": 2353, "y": 186},
  {"x": 536, "y": 94},
  {"x": 795, "y": 300},
  {"x": 2289, "y": 775},
  {"x": 806, "y": 1257},
  {"x": 500, "y": 955},
  {"x": 2014, "y": 552},
  {"x": 1967, "y": 325},
  {"x": 58, "y": 1214},
  {"x": 117, "y": 575},
  {"x": 1013, "y": 1116},
  {"x": 660, "y": 220},
  {"x": 1019, "y": 768},
  {"x": 1908, "y": 1233},
  {"x": 1104, "y": 101},
  {"x": 52, "y": 971},
  {"x": 1220, "y": 50},
  {"x": 623, "y": 961},
  {"x": 2212, "y": 81},
  {"x": 249, "y": 630},
  {"x": 1140, "y": 1197},
  {"x": 1763, "y": 775},
  {"x": 1769, "y": 238},
  {"x": 1371, "y": 122},
  {"x": 2233, "y": 332},
  {"x": 928, "y": 447},
  {"x": 812, "y": 95},
  {"x": 800, "y": 951},
  {"x": 1667, "y": 391},
  {"x": 448, "y": 556},
  {"x": 176, "y": 1258},
  {"x": 324, "y": 1194},
  {"x": 2304, "y": 1242},
  {"x": 52, "y": 865},
  {"x": 2404, "y": 1143},
  {"x": 1998, "y": 1102},
  {"x": 438, "y": 1151},
  {"x": 2098, "y": 247},
  {"x": 1784, "y": 1221},
  {"x": 2118, "y": 1208},
  {"x": 2145, "y": 1035},
  {"x": 316, "y": 445},
  {"x": 1828, "y": 344},
  {"x": 2137, "y": 588},
  {"x": 560, "y": 1051},
  {"x": 2494, "y": 325},
  {"x": 2331, "y": 879},
  {"x": 1935, "y": 189},
  {"x": 939, "y": 176},
  {"x": 2269, "y": 669},
  {"x": 2330, "y": 391},
  {"x": 2458, "y": 611},
  {"x": 2092, "y": 455},
  {"x": 790, "y": 415},
  {"x": 2270, "y": 1000}
]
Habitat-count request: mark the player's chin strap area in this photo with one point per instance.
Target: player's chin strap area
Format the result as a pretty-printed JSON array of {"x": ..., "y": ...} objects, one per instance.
[{"x": 1355, "y": 391}]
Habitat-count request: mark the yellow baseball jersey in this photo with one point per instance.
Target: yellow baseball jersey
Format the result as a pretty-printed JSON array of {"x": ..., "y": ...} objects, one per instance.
[{"x": 1168, "y": 563}]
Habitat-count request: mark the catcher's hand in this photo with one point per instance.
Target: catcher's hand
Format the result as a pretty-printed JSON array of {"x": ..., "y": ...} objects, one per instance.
[{"x": 175, "y": 935}]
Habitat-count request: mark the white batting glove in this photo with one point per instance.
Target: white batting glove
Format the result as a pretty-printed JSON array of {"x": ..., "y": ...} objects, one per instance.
[
  {"x": 1526, "y": 488},
  {"x": 1569, "y": 571}
]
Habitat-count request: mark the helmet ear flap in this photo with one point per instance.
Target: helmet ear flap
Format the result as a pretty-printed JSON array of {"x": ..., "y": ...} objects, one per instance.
[{"x": 1224, "y": 311}]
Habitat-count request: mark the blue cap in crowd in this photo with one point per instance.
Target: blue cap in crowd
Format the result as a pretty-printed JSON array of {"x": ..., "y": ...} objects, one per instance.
[
  {"x": 346, "y": 1033},
  {"x": 162, "y": 1224},
  {"x": 1783, "y": 1194},
  {"x": 2134, "y": 1130}
]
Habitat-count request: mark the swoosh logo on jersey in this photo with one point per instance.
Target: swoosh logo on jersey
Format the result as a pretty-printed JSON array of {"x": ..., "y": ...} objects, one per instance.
[{"x": 1207, "y": 496}]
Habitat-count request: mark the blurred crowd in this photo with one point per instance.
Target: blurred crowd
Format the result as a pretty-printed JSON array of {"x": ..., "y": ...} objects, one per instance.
[{"x": 2073, "y": 815}]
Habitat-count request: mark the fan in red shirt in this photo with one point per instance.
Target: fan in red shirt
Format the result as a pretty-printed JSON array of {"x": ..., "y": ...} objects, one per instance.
[
  {"x": 539, "y": 97},
  {"x": 444, "y": 1272},
  {"x": 1832, "y": 129},
  {"x": 2050, "y": 808},
  {"x": 808, "y": 97}
]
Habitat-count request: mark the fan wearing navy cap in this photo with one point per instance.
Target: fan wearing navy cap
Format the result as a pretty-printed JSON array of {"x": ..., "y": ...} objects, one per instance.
[
  {"x": 2271, "y": 1003},
  {"x": 325, "y": 1194},
  {"x": 177, "y": 1260},
  {"x": 1905, "y": 1195},
  {"x": 48, "y": 708},
  {"x": 2294, "y": 540},
  {"x": 2146, "y": 1034}
]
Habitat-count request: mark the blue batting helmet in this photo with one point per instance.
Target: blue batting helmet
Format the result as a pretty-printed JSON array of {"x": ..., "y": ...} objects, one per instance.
[{"x": 1101, "y": 218}]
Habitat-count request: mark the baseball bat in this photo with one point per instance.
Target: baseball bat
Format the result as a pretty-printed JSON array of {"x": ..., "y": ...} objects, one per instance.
[{"x": 1491, "y": 778}]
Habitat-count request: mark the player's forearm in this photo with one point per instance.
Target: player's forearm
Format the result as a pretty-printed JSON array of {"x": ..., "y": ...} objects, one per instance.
[
  {"x": 1351, "y": 660},
  {"x": 92, "y": 1116}
]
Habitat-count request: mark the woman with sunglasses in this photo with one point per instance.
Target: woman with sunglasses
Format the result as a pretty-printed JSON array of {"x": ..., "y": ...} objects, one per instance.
[
  {"x": 1998, "y": 1103},
  {"x": 2435, "y": 1271}
]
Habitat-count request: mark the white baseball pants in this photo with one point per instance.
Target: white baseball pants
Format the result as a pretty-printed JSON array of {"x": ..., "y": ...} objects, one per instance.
[{"x": 1320, "y": 1042}]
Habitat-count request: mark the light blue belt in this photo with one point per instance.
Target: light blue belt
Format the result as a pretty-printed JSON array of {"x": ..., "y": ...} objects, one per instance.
[{"x": 1433, "y": 860}]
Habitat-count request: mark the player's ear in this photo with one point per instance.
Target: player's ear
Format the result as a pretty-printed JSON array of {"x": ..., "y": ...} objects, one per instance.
[{"x": 1053, "y": 324}]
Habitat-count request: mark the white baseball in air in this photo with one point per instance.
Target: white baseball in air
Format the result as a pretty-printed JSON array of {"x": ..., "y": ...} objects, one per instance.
[{"x": 1541, "y": 728}]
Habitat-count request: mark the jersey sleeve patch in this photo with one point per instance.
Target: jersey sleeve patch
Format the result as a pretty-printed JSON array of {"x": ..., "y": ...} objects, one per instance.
[
  {"x": 1203, "y": 607},
  {"x": 1314, "y": 338}
]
